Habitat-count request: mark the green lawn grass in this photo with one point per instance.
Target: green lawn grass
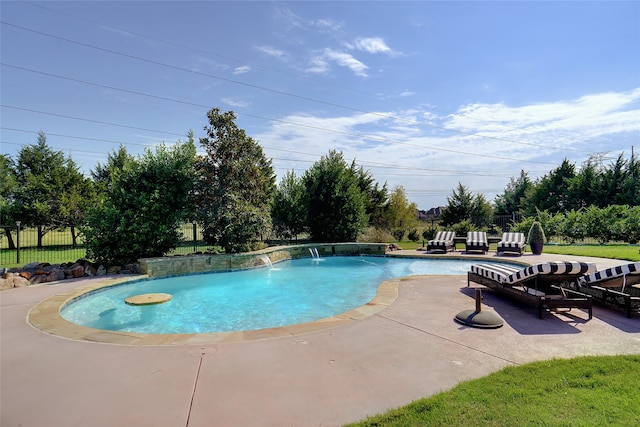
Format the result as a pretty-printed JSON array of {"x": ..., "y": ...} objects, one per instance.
[
  {"x": 584, "y": 391},
  {"x": 622, "y": 252}
]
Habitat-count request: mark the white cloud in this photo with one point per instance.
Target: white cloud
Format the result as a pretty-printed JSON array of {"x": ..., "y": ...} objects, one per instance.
[
  {"x": 372, "y": 45},
  {"x": 320, "y": 62},
  {"x": 235, "y": 102},
  {"x": 271, "y": 51},
  {"x": 241, "y": 70},
  {"x": 326, "y": 25}
]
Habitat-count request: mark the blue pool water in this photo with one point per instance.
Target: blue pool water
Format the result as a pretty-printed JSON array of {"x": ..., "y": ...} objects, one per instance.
[{"x": 290, "y": 292}]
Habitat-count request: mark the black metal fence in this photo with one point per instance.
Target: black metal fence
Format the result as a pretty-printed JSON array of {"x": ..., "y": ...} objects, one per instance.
[{"x": 20, "y": 246}]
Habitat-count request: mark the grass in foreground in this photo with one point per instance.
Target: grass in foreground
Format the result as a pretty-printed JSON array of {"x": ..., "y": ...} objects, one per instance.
[{"x": 585, "y": 391}]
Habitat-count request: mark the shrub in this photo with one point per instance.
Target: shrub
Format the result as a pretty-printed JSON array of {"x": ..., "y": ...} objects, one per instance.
[
  {"x": 463, "y": 227},
  {"x": 536, "y": 233},
  {"x": 523, "y": 226},
  {"x": 398, "y": 234},
  {"x": 413, "y": 235},
  {"x": 552, "y": 223},
  {"x": 429, "y": 233},
  {"x": 600, "y": 223},
  {"x": 375, "y": 235},
  {"x": 573, "y": 227},
  {"x": 631, "y": 225}
]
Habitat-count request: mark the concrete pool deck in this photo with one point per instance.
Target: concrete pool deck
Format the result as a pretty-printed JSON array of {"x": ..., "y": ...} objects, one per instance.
[{"x": 319, "y": 376}]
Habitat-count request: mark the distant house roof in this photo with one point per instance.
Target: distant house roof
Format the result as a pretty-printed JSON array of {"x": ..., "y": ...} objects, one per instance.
[{"x": 431, "y": 213}]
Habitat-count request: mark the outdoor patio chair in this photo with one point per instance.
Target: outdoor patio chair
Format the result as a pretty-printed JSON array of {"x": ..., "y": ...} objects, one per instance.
[
  {"x": 543, "y": 286},
  {"x": 617, "y": 287},
  {"x": 511, "y": 242},
  {"x": 477, "y": 242},
  {"x": 443, "y": 241}
]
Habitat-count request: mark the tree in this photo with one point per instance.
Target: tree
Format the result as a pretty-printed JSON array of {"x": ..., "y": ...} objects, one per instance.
[
  {"x": 584, "y": 187},
  {"x": 143, "y": 206},
  {"x": 400, "y": 215},
  {"x": 459, "y": 206},
  {"x": 375, "y": 197},
  {"x": 335, "y": 203},
  {"x": 236, "y": 187},
  {"x": 8, "y": 187},
  {"x": 551, "y": 192},
  {"x": 288, "y": 211},
  {"x": 481, "y": 211},
  {"x": 103, "y": 174},
  {"x": 51, "y": 192},
  {"x": 511, "y": 200}
]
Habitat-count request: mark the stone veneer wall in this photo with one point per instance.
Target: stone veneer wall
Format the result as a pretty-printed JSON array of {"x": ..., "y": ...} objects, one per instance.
[{"x": 178, "y": 265}]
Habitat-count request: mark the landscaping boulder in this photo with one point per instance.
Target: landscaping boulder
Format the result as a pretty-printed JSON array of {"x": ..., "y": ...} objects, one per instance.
[
  {"x": 54, "y": 275},
  {"x": 90, "y": 270},
  {"x": 102, "y": 271},
  {"x": 75, "y": 271},
  {"x": 36, "y": 273},
  {"x": 19, "y": 281},
  {"x": 37, "y": 279}
]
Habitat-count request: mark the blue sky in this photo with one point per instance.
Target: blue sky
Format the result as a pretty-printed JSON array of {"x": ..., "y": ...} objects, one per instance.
[{"x": 425, "y": 95}]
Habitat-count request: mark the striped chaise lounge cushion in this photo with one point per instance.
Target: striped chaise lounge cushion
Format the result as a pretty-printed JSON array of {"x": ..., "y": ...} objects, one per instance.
[
  {"x": 443, "y": 238},
  {"x": 512, "y": 240},
  {"x": 476, "y": 238},
  {"x": 495, "y": 272},
  {"x": 610, "y": 273},
  {"x": 511, "y": 275}
]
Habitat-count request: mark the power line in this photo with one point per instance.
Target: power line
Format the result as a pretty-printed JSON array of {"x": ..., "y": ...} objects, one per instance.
[
  {"x": 279, "y": 92},
  {"x": 89, "y": 120},
  {"x": 238, "y": 60}
]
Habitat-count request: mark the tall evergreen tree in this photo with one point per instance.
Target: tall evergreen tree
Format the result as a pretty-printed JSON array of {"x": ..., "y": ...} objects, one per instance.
[
  {"x": 375, "y": 197},
  {"x": 103, "y": 175},
  {"x": 236, "y": 187},
  {"x": 336, "y": 205},
  {"x": 51, "y": 191},
  {"x": 585, "y": 185},
  {"x": 289, "y": 210},
  {"x": 510, "y": 200},
  {"x": 8, "y": 188},
  {"x": 551, "y": 192},
  {"x": 459, "y": 206}
]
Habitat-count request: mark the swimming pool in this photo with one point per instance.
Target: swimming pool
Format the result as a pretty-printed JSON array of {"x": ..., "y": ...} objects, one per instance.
[{"x": 290, "y": 292}]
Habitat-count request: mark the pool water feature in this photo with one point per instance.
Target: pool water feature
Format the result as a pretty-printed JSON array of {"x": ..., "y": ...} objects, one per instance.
[{"x": 290, "y": 292}]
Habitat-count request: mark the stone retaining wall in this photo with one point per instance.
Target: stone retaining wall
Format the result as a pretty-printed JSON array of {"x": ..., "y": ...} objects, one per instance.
[{"x": 177, "y": 265}]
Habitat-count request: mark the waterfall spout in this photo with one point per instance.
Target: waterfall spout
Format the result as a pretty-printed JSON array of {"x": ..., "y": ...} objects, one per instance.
[{"x": 266, "y": 260}]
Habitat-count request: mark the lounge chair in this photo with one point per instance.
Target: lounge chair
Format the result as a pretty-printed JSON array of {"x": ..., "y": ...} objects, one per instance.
[
  {"x": 615, "y": 287},
  {"x": 511, "y": 242},
  {"x": 543, "y": 286},
  {"x": 477, "y": 241},
  {"x": 443, "y": 241}
]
